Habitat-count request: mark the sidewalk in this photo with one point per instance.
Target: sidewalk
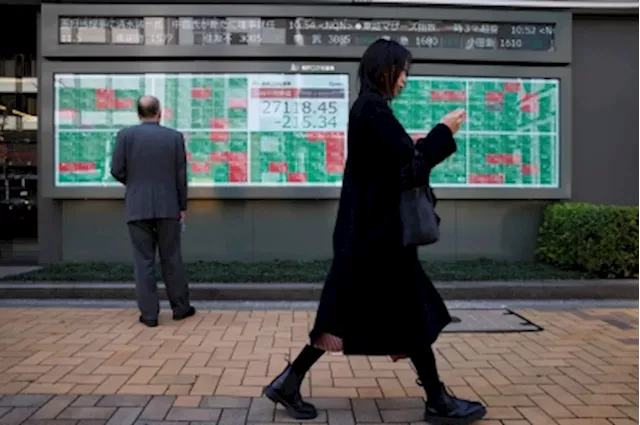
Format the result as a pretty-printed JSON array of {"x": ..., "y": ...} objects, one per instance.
[{"x": 100, "y": 366}]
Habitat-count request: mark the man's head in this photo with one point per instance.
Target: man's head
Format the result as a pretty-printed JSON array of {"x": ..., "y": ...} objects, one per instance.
[{"x": 149, "y": 109}]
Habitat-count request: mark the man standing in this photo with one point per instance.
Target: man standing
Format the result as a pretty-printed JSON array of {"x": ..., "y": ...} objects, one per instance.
[{"x": 150, "y": 160}]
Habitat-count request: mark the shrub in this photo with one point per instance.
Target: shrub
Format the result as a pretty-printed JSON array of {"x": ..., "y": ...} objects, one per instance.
[{"x": 601, "y": 240}]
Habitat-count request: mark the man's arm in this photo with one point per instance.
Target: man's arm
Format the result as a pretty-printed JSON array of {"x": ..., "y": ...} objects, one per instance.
[
  {"x": 119, "y": 159},
  {"x": 181, "y": 177}
]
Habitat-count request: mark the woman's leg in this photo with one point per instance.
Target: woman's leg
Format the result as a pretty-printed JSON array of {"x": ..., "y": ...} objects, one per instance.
[
  {"x": 307, "y": 357},
  {"x": 285, "y": 389},
  {"x": 440, "y": 404},
  {"x": 425, "y": 364}
]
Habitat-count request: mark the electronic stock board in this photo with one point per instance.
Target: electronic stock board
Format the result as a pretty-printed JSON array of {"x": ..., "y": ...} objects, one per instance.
[
  {"x": 307, "y": 31},
  {"x": 284, "y": 129},
  {"x": 510, "y": 137},
  {"x": 281, "y": 129},
  {"x": 239, "y": 129}
]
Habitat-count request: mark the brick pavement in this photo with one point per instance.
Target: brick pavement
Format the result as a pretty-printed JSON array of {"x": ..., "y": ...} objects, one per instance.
[{"x": 99, "y": 366}]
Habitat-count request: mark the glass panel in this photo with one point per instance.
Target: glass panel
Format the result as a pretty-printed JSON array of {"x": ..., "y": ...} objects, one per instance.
[{"x": 18, "y": 132}]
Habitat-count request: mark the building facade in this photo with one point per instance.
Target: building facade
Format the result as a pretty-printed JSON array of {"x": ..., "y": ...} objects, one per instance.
[{"x": 262, "y": 93}]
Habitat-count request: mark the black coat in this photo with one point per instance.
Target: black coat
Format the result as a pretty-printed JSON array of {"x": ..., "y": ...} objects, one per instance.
[{"x": 377, "y": 297}]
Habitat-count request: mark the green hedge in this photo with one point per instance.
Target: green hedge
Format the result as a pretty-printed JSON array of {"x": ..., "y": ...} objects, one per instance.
[{"x": 601, "y": 240}]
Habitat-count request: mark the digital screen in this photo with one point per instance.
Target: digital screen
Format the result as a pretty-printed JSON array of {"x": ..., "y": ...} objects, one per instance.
[
  {"x": 510, "y": 138},
  {"x": 305, "y": 32},
  {"x": 239, "y": 129}
]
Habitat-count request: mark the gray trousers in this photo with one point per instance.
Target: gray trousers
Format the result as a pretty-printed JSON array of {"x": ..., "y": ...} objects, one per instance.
[{"x": 163, "y": 234}]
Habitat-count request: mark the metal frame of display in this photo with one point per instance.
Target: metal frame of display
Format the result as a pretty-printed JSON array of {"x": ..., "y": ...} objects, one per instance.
[
  {"x": 564, "y": 160},
  {"x": 100, "y": 59},
  {"x": 51, "y": 48},
  {"x": 47, "y": 130}
]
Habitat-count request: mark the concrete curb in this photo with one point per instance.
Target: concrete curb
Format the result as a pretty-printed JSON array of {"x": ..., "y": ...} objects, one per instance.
[{"x": 470, "y": 291}]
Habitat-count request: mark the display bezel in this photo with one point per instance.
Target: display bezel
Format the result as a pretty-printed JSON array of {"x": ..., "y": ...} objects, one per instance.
[{"x": 99, "y": 191}]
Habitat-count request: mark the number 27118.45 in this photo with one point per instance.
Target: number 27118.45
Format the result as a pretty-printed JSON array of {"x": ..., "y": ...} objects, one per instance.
[{"x": 285, "y": 107}]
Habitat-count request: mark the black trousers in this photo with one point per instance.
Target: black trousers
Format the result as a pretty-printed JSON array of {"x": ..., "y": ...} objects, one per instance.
[{"x": 162, "y": 235}]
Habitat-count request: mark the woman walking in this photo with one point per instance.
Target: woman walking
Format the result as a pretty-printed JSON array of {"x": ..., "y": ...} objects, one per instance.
[{"x": 377, "y": 300}]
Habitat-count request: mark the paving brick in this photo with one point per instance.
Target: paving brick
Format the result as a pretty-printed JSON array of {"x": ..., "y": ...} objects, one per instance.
[
  {"x": 50, "y": 422},
  {"x": 271, "y": 423},
  {"x": 596, "y": 412},
  {"x": 178, "y": 390},
  {"x": 502, "y": 413},
  {"x": 261, "y": 410},
  {"x": 53, "y": 407},
  {"x": 281, "y": 416},
  {"x": 143, "y": 389},
  {"x": 225, "y": 402},
  {"x": 508, "y": 401},
  {"x": 585, "y": 366},
  {"x": 610, "y": 389},
  {"x": 340, "y": 417},
  {"x": 124, "y": 401},
  {"x": 620, "y": 421},
  {"x": 17, "y": 415},
  {"x": 148, "y": 422},
  {"x": 591, "y": 421},
  {"x": 188, "y": 401},
  {"x": 87, "y": 413},
  {"x": 24, "y": 400},
  {"x": 111, "y": 385},
  {"x": 193, "y": 414},
  {"x": 39, "y": 388},
  {"x": 371, "y": 393},
  {"x": 402, "y": 415},
  {"x": 400, "y": 403},
  {"x": 551, "y": 406},
  {"x": 603, "y": 399},
  {"x": 125, "y": 416},
  {"x": 231, "y": 416},
  {"x": 561, "y": 395},
  {"x": 92, "y": 422},
  {"x": 536, "y": 416},
  {"x": 157, "y": 408},
  {"x": 325, "y": 403},
  {"x": 86, "y": 401},
  {"x": 365, "y": 411}
]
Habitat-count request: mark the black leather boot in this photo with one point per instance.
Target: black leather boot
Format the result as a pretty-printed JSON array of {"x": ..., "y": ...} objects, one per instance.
[
  {"x": 285, "y": 389},
  {"x": 444, "y": 408}
]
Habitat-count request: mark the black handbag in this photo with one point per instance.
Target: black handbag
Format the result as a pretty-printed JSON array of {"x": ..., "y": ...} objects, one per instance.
[{"x": 420, "y": 223}]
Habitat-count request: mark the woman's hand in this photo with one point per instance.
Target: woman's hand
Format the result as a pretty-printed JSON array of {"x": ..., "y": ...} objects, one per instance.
[{"x": 454, "y": 120}]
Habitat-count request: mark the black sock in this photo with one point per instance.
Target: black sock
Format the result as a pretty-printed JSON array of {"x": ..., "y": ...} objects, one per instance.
[
  {"x": 307, "y": 357},
  {"x": 425, "y": 364}
]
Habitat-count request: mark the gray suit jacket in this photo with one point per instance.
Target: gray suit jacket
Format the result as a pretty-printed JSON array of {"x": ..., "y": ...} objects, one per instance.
[{"x": 150, "y": 160}]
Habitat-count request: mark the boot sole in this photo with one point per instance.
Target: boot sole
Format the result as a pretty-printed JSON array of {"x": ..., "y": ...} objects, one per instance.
[
  {"x": 442, "y": 420},
  {"x": 276, "y": 398}
]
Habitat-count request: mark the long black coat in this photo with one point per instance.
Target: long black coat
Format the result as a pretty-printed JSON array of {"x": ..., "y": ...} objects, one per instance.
[{"x": 377, "y": 297}]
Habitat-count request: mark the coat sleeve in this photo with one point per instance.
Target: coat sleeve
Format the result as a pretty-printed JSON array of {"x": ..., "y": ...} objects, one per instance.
[
  {"x": 415, "y": 161},
  {"x": 181, "y": 177},
  {"x": 119, "y": 159},
  {"x": 437, "y": 146}
]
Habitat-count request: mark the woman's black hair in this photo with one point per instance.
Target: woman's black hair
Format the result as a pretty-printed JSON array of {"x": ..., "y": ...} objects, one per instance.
[{"x": 381, "y": 66}]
